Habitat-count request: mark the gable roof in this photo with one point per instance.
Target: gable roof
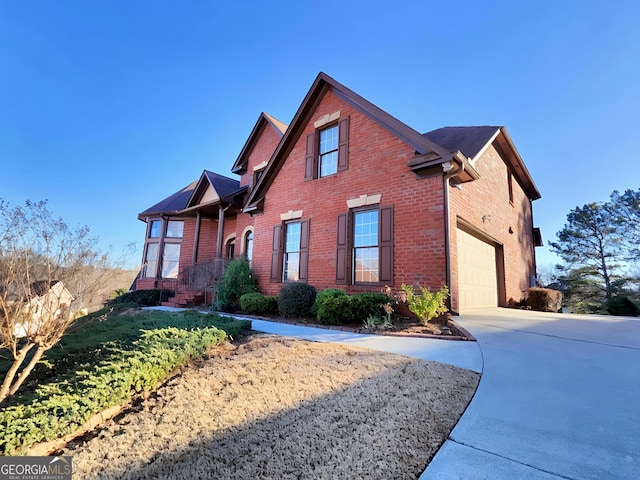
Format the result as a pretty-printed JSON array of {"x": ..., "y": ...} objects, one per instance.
[
  {"x": 472, "y": 141},
  {"x": 321, "y": 85},
  {"x": 189, "y": 197},
  {"x": 240, "y": 166},
  {"x": 222, "y": 186}
]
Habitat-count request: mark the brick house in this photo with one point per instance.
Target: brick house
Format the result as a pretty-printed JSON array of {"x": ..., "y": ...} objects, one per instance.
[{"x": 347, "y": 196}]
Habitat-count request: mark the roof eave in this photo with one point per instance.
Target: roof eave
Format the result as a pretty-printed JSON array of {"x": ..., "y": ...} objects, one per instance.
[{"x": 518, "y": 166}]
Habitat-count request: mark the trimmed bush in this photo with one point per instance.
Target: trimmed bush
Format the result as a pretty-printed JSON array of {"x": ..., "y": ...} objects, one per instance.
[
  {"x": 333, "y": 307},
  {"x": 544, "y": 299},
  {"x": 144, "y": 298},
  {"x": 368, "y": 304},
  {"x": 238, "y": 280},
  {"x": 622, "y": 306},
  {"x": 256, "y": 303},
  {"x": 297, "y": 300}
]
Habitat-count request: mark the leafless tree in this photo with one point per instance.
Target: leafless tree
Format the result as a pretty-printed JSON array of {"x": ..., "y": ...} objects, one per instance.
[{"x": 46, "y": 268}]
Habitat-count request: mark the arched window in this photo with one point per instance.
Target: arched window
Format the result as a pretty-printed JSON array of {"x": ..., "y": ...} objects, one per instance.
[
  {"x": 248, "y": 245},
  {"x": 231, "y": 248}
]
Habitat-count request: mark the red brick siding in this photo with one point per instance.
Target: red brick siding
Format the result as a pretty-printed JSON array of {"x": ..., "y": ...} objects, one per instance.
[
  {"x": 377, "y": 164},
  {"x": 488, "y": 197}
]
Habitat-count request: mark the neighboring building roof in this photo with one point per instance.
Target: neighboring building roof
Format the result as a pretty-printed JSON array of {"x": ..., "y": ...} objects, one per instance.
[{"x": 240, "y": 166}]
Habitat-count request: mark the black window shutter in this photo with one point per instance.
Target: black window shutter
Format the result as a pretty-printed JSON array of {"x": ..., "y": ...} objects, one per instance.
[
  {"x": 343, "y": 144},
  {"x": 342, "y": 257},
  {"x": 304, "y": 250},
  {"x": 386, "y": 244},
  {"x": 310, "y": 160},
  {"x": 276, "y": 255}
]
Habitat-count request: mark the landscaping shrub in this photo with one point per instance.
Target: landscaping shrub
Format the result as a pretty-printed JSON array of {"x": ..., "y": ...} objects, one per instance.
[
  {"x": 621, "y": 305},
  {"x": 333, "y": 307},
  {"x": 297, "y": 300},
  {"x": 144, "y": 298},
  {"x": 106, "y": 364},
  {"x": 544, "y": 299},
  {"x": 238, "y": 280},
  {"x": 427, "y": 305},
  {"x": 256, "y": 303},
  {"x": 368, "y": 304}
]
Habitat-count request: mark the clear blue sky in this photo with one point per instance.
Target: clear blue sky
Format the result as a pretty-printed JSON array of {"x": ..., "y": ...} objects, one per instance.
[{"x": 107, "y": 107}]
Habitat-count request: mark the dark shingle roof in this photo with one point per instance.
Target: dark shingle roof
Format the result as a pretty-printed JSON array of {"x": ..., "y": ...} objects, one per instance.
[
  {"x": 469, "y": 140},
  {"x": 225, "y": 186},
  {"x": 174, "y": 203}
]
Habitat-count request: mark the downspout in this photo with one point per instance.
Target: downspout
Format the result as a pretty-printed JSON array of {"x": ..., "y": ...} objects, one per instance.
[{"x": 450, "y": 171}]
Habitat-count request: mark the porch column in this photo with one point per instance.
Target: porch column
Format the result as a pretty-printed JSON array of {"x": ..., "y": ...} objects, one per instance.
[
  {"x": 196, "y": 239},
  {"x": 220, "y": 231}
]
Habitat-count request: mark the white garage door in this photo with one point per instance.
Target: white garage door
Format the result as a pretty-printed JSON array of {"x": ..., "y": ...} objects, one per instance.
[{"x": 477, "y": 276}]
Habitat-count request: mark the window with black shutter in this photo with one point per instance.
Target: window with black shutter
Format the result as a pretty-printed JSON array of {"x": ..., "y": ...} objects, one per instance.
[
  {"x": 327, "y": 150},
  {"x": 364, "y": 252},
  {"x": 290, "y": 252}
]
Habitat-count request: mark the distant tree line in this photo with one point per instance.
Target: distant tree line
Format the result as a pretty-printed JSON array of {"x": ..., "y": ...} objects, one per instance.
[{"x": 600, "y": 245}]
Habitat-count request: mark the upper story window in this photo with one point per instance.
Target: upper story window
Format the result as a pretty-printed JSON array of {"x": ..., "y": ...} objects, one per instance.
[
  {"x": 327, "y": 150},
  {"x": 155, "y": 229},
  {"x": 510, "y": 186},
  {"x": 328, "y": 161}
]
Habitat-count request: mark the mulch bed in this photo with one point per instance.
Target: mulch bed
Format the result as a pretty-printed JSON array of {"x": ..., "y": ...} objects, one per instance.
[{"x": 443, "y": 327}]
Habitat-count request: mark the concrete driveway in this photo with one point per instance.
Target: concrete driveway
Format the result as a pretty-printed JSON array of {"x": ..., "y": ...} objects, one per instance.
[{"x": 559, "y": 398}]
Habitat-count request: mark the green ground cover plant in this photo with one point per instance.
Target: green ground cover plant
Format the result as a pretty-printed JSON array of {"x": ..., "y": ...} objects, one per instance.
[{"x": 106, "y": 361}]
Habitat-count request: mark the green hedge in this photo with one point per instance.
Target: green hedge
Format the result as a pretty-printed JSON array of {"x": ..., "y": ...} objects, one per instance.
[
  {"x": 335, "y": 307},
  {"x": 112, "y": 373},
  {"x": 257, "y": 304}
]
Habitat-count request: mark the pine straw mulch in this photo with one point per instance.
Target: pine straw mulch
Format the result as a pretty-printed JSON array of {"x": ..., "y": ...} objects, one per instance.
[
  {"x": 276, "y": 407},
  {"x": 442, "y": 327}
]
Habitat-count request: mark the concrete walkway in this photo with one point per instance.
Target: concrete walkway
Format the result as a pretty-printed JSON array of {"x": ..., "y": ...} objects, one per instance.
[
  {"x": 559, "y": 398},
  {"x": 459, "y": 353}
]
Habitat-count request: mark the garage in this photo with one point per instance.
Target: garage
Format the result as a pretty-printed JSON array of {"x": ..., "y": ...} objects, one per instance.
[{"x": 477, "y": 273}]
